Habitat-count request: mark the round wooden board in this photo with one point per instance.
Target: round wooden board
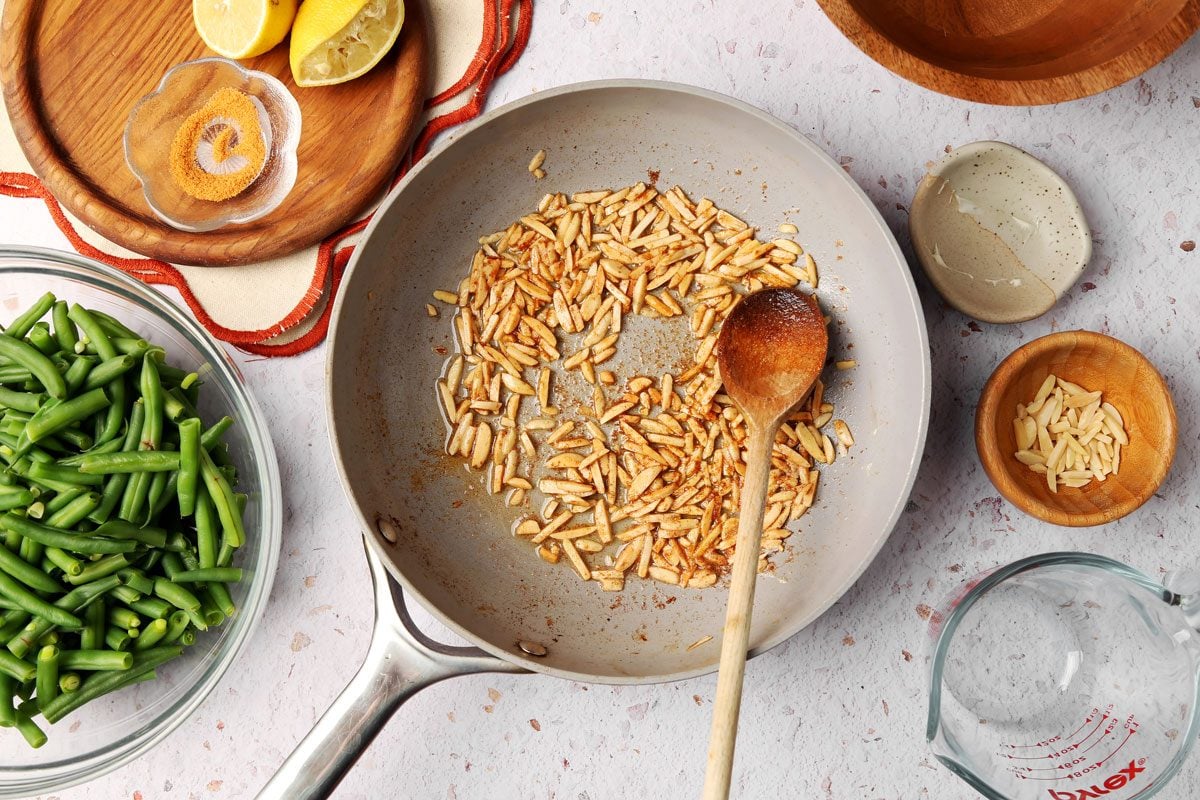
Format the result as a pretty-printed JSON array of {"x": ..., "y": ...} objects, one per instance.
[
  {"x": 846, "y": 15},
  {"x": 72, "y": 70}
]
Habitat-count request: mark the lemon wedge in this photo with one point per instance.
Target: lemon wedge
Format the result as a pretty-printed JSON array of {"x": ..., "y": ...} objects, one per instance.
[
  {"x": 334, "y": 41},
  {"x": 243, "y": 28}
]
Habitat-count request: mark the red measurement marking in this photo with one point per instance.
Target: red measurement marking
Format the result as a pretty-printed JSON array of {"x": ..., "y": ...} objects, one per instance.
[
  {"x": 1090, "y": 718},
  {"x": 1063, "y": 751},
  {"x": 1111, "y": 727},
  {"x": 1114, "y": 752}
]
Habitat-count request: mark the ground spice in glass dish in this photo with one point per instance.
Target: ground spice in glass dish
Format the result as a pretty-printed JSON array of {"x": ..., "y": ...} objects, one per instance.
[{"x": 221, "y": 149}]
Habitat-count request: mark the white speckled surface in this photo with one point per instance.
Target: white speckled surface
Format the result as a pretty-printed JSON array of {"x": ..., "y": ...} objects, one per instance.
[{"x": 838, "y": 711}]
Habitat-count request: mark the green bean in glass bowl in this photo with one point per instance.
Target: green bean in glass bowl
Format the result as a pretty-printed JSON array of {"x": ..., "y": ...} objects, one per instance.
[{"x": 154, "y": 543}]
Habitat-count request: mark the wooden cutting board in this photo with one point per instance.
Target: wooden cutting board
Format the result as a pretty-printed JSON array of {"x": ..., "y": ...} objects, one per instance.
[{"x": 72, "y": 70}]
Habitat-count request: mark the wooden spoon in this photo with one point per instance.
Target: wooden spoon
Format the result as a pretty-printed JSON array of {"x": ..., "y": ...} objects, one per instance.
[{"x": 771, "y": 350}]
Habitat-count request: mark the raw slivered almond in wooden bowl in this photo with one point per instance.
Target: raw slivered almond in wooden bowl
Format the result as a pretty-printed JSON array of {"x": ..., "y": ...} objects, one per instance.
[
  {"x": 1074, "y": 471},
  {"x": 622, "y": 469}
]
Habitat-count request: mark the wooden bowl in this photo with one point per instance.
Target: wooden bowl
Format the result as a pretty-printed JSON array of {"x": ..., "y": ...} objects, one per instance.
[
  {"x": 1095, "y": 362},
  {"x": 1016, "y": 53}
]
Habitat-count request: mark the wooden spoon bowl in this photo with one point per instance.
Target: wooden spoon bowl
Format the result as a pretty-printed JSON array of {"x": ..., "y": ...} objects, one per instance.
[
  {"x": 1097, "y": 363},
  {"x": 1024, "y": 52}
]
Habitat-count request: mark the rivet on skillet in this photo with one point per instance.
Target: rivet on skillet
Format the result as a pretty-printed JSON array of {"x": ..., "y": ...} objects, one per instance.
[
  {"x": 533, "y": 649},
  {"x": 387, "y": 529}
]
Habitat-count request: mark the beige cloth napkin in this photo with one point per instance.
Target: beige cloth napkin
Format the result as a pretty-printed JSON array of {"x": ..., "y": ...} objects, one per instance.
[{"x": 264, "y": 307}]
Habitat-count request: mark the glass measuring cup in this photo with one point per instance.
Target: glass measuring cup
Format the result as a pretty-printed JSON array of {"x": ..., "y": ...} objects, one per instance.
[{"x": 1066, "y": 676}]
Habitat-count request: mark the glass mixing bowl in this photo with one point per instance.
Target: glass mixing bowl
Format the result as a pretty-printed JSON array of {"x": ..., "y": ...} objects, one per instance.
[{"x": 118, "y": 728}]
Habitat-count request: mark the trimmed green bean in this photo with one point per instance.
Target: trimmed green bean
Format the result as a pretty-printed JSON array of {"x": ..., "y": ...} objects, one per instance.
[
  {"x": 55, "y": 537},
  {"x": 134, "y": 500},
  {"x": 40, "y": 337},
  {"x": 96, "y": 450},
  {"x": 97, "y": 337},
  {"x": 24, "y": 323},
  {"x": 70, "y": 565},
  {"x": 206, "y": 531},
  {"x": 95, "y": 660},
  {"x": 34, "y": 578},
  {"x": 152, "y": 635},
  {"x": 120, "y": 529},
  {"x": 152, "y": 607},
  {"x": 18, "y": 668},
  {"x": 177, "y": 623},
  {"x": 95, "y": 624},
  {"x": 118, "y": 639},
  {"x": 169, "y": 493},
  {"x": 53, "y": 418},
  {"x": 69, "y": 682},
  {"x": 141, "y": 461},
  {"x": 29, "y": 402},
  {"x": 113, "y": 326},
  {"x": 35, "y": 605},
  {"x": 126, "y": 594},
  {"x": 189, "y": 465},
  {"x": 136, "y": 580},
  {"x": 176, "y": 595},
  {"x": 152, "y": 394},
  {"x": 42, "y": 369},
  {"x": 209, "y": 611},
  {"x": 102, "y": 568},
  {"x": 114, "y": 489},
  {"x": 115, "y": 418},
  {"x": 157, "y": 491},
  {"x": 15, "y": 499},
  {"x": 75, "y": 600},
  {"x": 108, "y": 371},
  {"x": 77, "y": 374},
  {"x": 223, "y": 500},
  {"x": 213, "y": 435},
  {"x": 53, "y": 472},
  {"x": 8, "y": 714},
  {"x": 46, "y": 680},
  {"x": 172, "y": 563},
  {"x": 124, "y": 618},
  {"x": 74, "y": 512},
  {"x": 210, "y": 575},
  {"x": 34, "y": 735},
  {"x": 14, "y": 624},
  {"x": 64, "y": 330},
  {"x": 15, "y": 375},
  {"x": 104, "y": 682}
]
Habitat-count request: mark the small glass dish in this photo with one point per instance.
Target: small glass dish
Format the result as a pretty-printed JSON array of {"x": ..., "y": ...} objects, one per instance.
[
  {"x": 185, "y": 89},
  {"x": 115, "y": 729}
]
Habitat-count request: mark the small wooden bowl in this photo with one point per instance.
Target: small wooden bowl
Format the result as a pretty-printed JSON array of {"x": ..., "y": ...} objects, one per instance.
[
  {"x": 1016, "y": 53},
  {"x": 1095, "y": 362}
]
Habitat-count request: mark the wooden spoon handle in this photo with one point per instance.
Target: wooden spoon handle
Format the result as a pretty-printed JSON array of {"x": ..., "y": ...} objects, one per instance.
[{"x": 736, "y": 637}]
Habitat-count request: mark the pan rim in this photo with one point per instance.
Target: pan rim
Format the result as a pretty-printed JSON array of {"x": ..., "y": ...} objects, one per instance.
[{"x": 801, "y": 141}]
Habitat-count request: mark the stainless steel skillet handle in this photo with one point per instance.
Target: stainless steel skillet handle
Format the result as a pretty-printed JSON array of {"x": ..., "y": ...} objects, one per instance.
[{"x": 399, "y": 663}]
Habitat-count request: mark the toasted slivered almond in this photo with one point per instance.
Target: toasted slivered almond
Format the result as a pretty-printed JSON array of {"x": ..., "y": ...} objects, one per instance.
[
  {"x": 848, "y": 363},
  {"x": 536, "y": 162},
  {"x": 663, "y": 481},
  {"x": 558, "y": 486},
  {"x": 450, "y": 298},
  {"x": 576, "y": 560},
  {"x": 842, "y": 430}
]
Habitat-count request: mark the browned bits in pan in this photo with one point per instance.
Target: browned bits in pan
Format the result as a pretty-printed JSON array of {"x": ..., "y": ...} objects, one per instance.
[{"x": 642, "y": 475}]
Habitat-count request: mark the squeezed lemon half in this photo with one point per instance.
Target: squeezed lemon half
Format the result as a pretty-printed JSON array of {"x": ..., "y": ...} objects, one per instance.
[{"x": 334, "y": 41}]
